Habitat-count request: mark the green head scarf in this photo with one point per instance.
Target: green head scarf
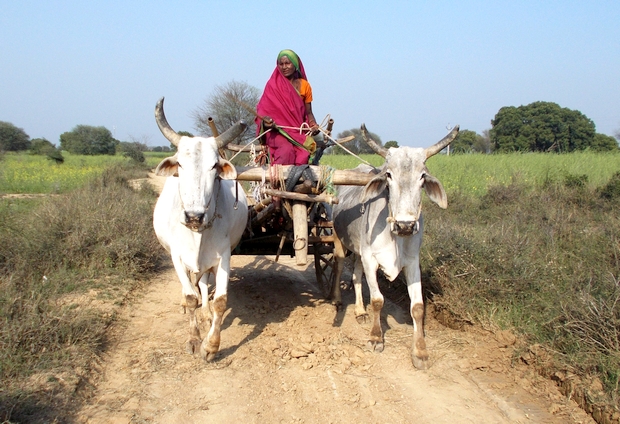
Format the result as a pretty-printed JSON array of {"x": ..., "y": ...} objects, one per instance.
[{"x": 292, "y": 56}]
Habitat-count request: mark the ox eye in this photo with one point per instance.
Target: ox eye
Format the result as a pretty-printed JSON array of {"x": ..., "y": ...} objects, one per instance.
[{"x": 388, "y": 175}]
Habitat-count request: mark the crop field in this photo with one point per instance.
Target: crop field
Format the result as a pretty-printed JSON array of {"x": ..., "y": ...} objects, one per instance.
[
  {"x": 24, "y": 173},
  {"x": 467, "y": 174},
  {"x": 474, "y": 173}
]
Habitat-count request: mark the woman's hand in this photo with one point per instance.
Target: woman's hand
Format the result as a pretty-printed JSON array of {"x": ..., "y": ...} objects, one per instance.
[{"x": 268, "y": 123}]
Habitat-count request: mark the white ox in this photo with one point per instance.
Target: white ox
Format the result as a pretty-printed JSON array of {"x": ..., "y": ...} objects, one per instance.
[
  {"x": 382, "y": 225},
  {"x": 199, "y": 217}
]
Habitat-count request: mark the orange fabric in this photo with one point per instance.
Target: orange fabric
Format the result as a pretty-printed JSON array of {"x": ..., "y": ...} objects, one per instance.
[{"x": 305, "y": 91}]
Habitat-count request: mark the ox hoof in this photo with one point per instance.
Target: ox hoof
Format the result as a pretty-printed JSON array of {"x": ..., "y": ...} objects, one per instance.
[
  {"x": 362, "y": 319},
  {"x": 375, "y": 346},
  {"x": 420, "y": 363},
  {"x": 208, "y": 356},
  {"x": 192, "y": 346}
]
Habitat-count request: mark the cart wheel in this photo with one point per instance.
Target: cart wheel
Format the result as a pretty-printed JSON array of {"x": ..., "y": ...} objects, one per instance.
[{"x": 323, "y": 251}]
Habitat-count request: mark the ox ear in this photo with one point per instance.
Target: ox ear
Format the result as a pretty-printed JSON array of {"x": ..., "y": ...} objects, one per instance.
[
  {"x": 168, "y": 167},
  {"x": 435, "y": 191},
  {"x": 375, "y": 187},
  {"x": 226, "y": 170}
]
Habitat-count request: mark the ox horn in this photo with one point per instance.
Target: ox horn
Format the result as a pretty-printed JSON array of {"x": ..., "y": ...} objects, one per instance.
[
  {"x": 380, "y": 150},
  {"x": 441, "y": 144},
  {"x": 230, "y": 134},
  {"x": 163, "y": 125}
]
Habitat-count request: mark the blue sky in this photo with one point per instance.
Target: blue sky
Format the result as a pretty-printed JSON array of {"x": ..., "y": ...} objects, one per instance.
[{"x": 408, "y": 69}]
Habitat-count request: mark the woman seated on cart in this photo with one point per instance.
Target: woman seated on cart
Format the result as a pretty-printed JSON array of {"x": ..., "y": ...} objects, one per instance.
[{"x": 285, "y": 107}]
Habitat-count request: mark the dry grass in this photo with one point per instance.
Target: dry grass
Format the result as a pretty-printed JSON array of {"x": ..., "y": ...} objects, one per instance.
[
  {"x": 542, "y": 263},
  {"x": 65, "y": 261}
]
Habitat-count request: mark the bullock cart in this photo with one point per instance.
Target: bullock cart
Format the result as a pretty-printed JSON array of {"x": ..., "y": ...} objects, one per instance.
[{"x": 295, "y": 219}]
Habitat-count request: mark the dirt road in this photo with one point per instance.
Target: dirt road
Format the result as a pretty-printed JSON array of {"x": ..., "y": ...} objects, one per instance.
[{"x": 287, "y": 356}]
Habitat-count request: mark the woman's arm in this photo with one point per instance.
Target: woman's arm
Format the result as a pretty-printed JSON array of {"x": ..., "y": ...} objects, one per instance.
[{"x": 311, "y": 120}]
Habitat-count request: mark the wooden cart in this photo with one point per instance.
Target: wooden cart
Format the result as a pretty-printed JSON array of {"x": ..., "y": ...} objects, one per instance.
[{"x": 301, "y": 225}]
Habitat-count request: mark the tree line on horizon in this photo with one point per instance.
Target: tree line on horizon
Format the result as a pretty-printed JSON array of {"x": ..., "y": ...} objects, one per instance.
[{"x": 536, "y": 127}]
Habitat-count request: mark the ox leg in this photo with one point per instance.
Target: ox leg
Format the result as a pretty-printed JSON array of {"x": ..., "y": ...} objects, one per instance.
[
  {"x": 419, "y": 354},
  {"x": 211, "y": 344},
  {"x": 370, "y": 267},
  {"x": 191, "y": 302},
  {"x": 205, "y": 310},
  {"x": 360, "y": 310}
]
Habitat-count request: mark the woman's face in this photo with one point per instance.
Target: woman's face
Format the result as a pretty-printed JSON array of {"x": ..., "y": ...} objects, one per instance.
[{"x": 286, "y": 67}]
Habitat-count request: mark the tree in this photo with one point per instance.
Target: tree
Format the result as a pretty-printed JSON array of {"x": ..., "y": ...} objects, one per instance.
[
  {"x": 226, "y": 105},
  {"x": 391, "y": 143},
  {"x": 13, "y": 139},
  {"x": 483, "y": 143},
  {"x": 124, "y": 146},
  {"x": 141, "y": 142},
  {"x": 88, "y": 140},
  {"x": 358, "y": 145},
  {"x": 42, "y": 146},
  {"x": 470, "y": 142},
  {"x": 463, "y": 142},
  {"x": 542, "y": 127},
  {"x": 132, "y": 150},
  {"x": 604, "y": 143}
]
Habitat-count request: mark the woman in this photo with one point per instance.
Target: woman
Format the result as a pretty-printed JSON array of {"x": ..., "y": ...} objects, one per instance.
[{"x": 286, "y": 103}]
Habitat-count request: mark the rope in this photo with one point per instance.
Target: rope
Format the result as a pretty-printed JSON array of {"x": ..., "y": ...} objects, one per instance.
[
  {"x": 249, "y": 142},
  {"x": 326, "y": 182},
  {"x": 342, "y": 147}
]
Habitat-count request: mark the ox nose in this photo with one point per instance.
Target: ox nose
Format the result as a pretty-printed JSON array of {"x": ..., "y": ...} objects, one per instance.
[
  {"x": 406, "y": 228},
  {"x": 194, "y": 220}
]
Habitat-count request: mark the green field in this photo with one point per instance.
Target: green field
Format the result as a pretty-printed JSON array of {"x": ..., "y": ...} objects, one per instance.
[
  {"x": 474, "y": 173},
  {"x": 24, "y": 173},
  {"x": 468, "y": 174}
]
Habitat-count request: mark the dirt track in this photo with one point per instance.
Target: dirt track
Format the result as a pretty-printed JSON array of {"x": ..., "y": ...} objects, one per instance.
[{"x": 287, "y": 356}]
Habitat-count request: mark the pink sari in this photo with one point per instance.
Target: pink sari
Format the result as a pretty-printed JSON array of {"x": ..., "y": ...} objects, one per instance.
[{"x": 282, "y": 103}]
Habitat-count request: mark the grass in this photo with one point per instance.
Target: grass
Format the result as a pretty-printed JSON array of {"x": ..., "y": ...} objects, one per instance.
[{"x": 153, "y": 158}]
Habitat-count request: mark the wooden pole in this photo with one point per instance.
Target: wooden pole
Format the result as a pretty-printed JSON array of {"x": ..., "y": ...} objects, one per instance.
[
  {"x": 301, "y": 197},
  {"x": 216, "y": 133},
  {"x": 300, "y": 232}
]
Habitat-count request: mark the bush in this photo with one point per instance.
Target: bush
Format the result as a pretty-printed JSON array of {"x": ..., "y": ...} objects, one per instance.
[
  {"x": 611, "y": 190},
  {"x": 134, "y": 154}
]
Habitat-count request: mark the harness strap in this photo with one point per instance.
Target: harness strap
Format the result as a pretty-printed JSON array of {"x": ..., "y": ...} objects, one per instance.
[{"x": 236, "y": 205}]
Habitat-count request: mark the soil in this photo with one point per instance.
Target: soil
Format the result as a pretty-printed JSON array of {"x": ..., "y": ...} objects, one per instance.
[{"x": 287, "y": 356}]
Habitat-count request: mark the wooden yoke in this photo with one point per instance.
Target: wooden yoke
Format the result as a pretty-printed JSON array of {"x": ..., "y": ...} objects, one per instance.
[{"x": 340, "y": 176}]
